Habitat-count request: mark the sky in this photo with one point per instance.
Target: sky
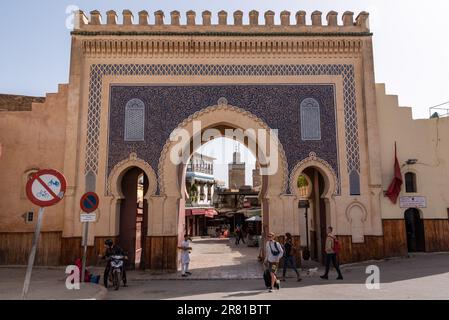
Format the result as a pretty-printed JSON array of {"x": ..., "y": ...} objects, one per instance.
[{"x": 411, "y": 46}]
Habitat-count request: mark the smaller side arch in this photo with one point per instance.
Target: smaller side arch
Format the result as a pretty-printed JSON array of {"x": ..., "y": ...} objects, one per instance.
[
  {"x": 114, "y": 179},
  {"x": 356, "y": 214},
  {"x": 356, "y": 204},
  {"x": 331, "y": 180}
]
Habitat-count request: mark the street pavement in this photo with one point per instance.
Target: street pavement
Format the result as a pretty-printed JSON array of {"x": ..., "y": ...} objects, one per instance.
[
  {"x": 46, "y": 284},
  {"x": 222, "y": 270},
  {"x": 423, "y": 276}
]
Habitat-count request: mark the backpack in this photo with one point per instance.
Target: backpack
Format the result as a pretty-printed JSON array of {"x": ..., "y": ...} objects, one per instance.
[
  {"x": 274, "y": 253},
  {"x": 337, "y": 246}
]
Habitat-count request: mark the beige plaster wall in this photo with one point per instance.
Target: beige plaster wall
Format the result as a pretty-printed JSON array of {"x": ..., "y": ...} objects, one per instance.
[
  {"x": 31, "y": 140},
  {"x": 426, "y": 140}
]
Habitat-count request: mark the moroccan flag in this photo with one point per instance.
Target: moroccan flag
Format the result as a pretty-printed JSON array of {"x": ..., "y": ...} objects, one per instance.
[{"x": 395, "y": 186}]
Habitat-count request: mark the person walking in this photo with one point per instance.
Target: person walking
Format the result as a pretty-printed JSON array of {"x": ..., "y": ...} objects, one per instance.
[
  {"x": 289, "y": 257},
  {"x": 273, "y": 253},
  {"x": 239, "y": 235},
  {"x": 185, "y": 256},
  {"x": 331, "y": 255}
]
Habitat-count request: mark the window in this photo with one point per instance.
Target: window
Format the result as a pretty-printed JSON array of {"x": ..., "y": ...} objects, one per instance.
[
  {"x": 310, "y": 119},
  {"x": 135, "y": 120},
  {"x": 410, "y": 182},
  {"x": 28, "y": 217},
  {"x": 354, "y": 183}
]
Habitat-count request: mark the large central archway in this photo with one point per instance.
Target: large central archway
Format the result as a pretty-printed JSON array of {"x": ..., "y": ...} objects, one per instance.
[{"x": 221, "y": 117}]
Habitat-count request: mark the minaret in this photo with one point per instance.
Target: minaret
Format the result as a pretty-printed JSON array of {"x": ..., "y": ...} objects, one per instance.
[
  {"x": 257, "y": 178},
  {"x": 236, "y": 171}
]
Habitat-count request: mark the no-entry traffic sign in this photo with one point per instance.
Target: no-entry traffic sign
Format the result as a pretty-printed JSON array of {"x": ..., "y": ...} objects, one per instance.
[
  {"x": 89, "y": 202},
  {"x": 46, "y": 188}
]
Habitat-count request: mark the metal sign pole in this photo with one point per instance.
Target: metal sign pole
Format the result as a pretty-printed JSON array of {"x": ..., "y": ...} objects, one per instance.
[
  {"x": 26, "y": 284},
  {"x": 307, "y": 229},
  {"x": 85, "y": 234}
]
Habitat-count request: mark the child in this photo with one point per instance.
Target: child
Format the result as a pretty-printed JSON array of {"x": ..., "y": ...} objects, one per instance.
[{"x": 185, "y": 256}]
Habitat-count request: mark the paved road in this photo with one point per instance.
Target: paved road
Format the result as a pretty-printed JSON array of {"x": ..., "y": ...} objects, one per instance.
[
  {"x": 233, "y": 272},
  {"x": 423, "y": 276},
  {"x": 46, "y": 284}
]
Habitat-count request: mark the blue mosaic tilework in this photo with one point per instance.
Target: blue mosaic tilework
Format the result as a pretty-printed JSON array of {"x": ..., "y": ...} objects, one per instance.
[
  {"x": 100, "y": 70},
  {"x": 276, "y": 105}
]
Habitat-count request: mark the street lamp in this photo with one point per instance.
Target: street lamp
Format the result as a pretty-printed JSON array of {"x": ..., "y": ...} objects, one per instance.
[{"x": 305, "y": 204}]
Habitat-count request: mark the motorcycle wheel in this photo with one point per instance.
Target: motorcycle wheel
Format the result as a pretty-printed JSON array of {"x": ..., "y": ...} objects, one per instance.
[{"x": 117, "y": 279}]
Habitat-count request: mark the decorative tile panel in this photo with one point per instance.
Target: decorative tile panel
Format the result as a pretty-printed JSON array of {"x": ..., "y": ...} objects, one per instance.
[{"x": 346, "y": 71}]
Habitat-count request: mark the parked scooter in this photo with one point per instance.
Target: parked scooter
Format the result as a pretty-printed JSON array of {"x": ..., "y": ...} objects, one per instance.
[{"x": 116, "y": 272}]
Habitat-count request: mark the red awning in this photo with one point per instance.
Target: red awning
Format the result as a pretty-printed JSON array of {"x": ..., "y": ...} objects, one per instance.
[
  {"x": 210, "y": 213},
  {"x": 198, "y": 212}
]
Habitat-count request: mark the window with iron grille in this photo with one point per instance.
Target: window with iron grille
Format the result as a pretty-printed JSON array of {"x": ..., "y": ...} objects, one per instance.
[
  {"x": 135, "y": 120},
  {"x": 310, "y": 119}
]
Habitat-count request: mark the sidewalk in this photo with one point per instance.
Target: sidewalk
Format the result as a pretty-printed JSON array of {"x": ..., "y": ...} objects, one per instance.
[
  {"x": 47, "y": 283},
  {"x": 217, "y": 259}
]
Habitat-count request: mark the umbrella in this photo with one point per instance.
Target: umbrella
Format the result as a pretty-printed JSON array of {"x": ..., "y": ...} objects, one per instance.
[{"x": 254, "y": 218}]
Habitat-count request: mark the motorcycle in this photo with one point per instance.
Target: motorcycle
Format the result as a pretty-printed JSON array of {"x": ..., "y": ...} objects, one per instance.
[{"x": 116, "y": 272}]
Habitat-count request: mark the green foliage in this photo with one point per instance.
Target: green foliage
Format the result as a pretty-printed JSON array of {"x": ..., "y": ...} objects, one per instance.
[
  {"x": 193, "y": 194},
  {"x": 302, "y": 181}
]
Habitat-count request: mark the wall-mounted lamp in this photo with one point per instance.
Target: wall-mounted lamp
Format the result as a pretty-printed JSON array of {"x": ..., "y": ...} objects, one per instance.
[{"x": 411, "y": 161}]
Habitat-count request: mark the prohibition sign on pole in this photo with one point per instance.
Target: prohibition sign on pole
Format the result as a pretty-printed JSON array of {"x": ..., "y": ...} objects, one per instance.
[
  {"x": 46, "y": 187},
  {"x": 89, "y": 202}
]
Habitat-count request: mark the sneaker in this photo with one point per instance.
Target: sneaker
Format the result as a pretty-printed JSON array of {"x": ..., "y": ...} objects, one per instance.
[
  {"x": 324, "y": 277},
  {"x": 340, "y": 278},
  {"x": 189, "y": 273},
  {"x": 270, "y": 289},
  {"x": 184, "y": 275},
  {"x": 299, "y": 279}
]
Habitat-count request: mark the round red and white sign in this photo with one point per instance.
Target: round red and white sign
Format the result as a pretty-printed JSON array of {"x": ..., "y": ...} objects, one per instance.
[{"x": 46, "y": 188}]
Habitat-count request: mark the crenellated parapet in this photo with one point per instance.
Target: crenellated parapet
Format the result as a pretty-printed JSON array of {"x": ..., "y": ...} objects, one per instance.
[
  {"x": 331, "y": 22},
  {"x": 190, "y": 34}
]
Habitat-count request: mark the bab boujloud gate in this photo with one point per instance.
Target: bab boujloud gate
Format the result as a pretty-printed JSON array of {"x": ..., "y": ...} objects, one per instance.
[{"x": 133, "y": 84}]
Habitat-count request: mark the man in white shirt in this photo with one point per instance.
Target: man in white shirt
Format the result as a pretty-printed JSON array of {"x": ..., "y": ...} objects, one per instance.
[
  {"x": 185, "y": 256},
  {"x": 273, "y": 253}
]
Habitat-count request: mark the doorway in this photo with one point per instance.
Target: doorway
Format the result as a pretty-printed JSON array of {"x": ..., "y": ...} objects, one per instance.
[
  {"x": 414, "y": 226},
  {"x": 134, "y": 217},
  {"x": 317, "y": 215}
]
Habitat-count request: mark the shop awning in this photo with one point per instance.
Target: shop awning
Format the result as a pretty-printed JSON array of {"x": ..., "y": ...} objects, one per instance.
[{"x": 208, "y": 212}]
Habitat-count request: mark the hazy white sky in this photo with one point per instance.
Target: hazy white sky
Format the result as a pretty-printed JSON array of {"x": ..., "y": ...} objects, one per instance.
[{"x": 411, "y": 47}]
